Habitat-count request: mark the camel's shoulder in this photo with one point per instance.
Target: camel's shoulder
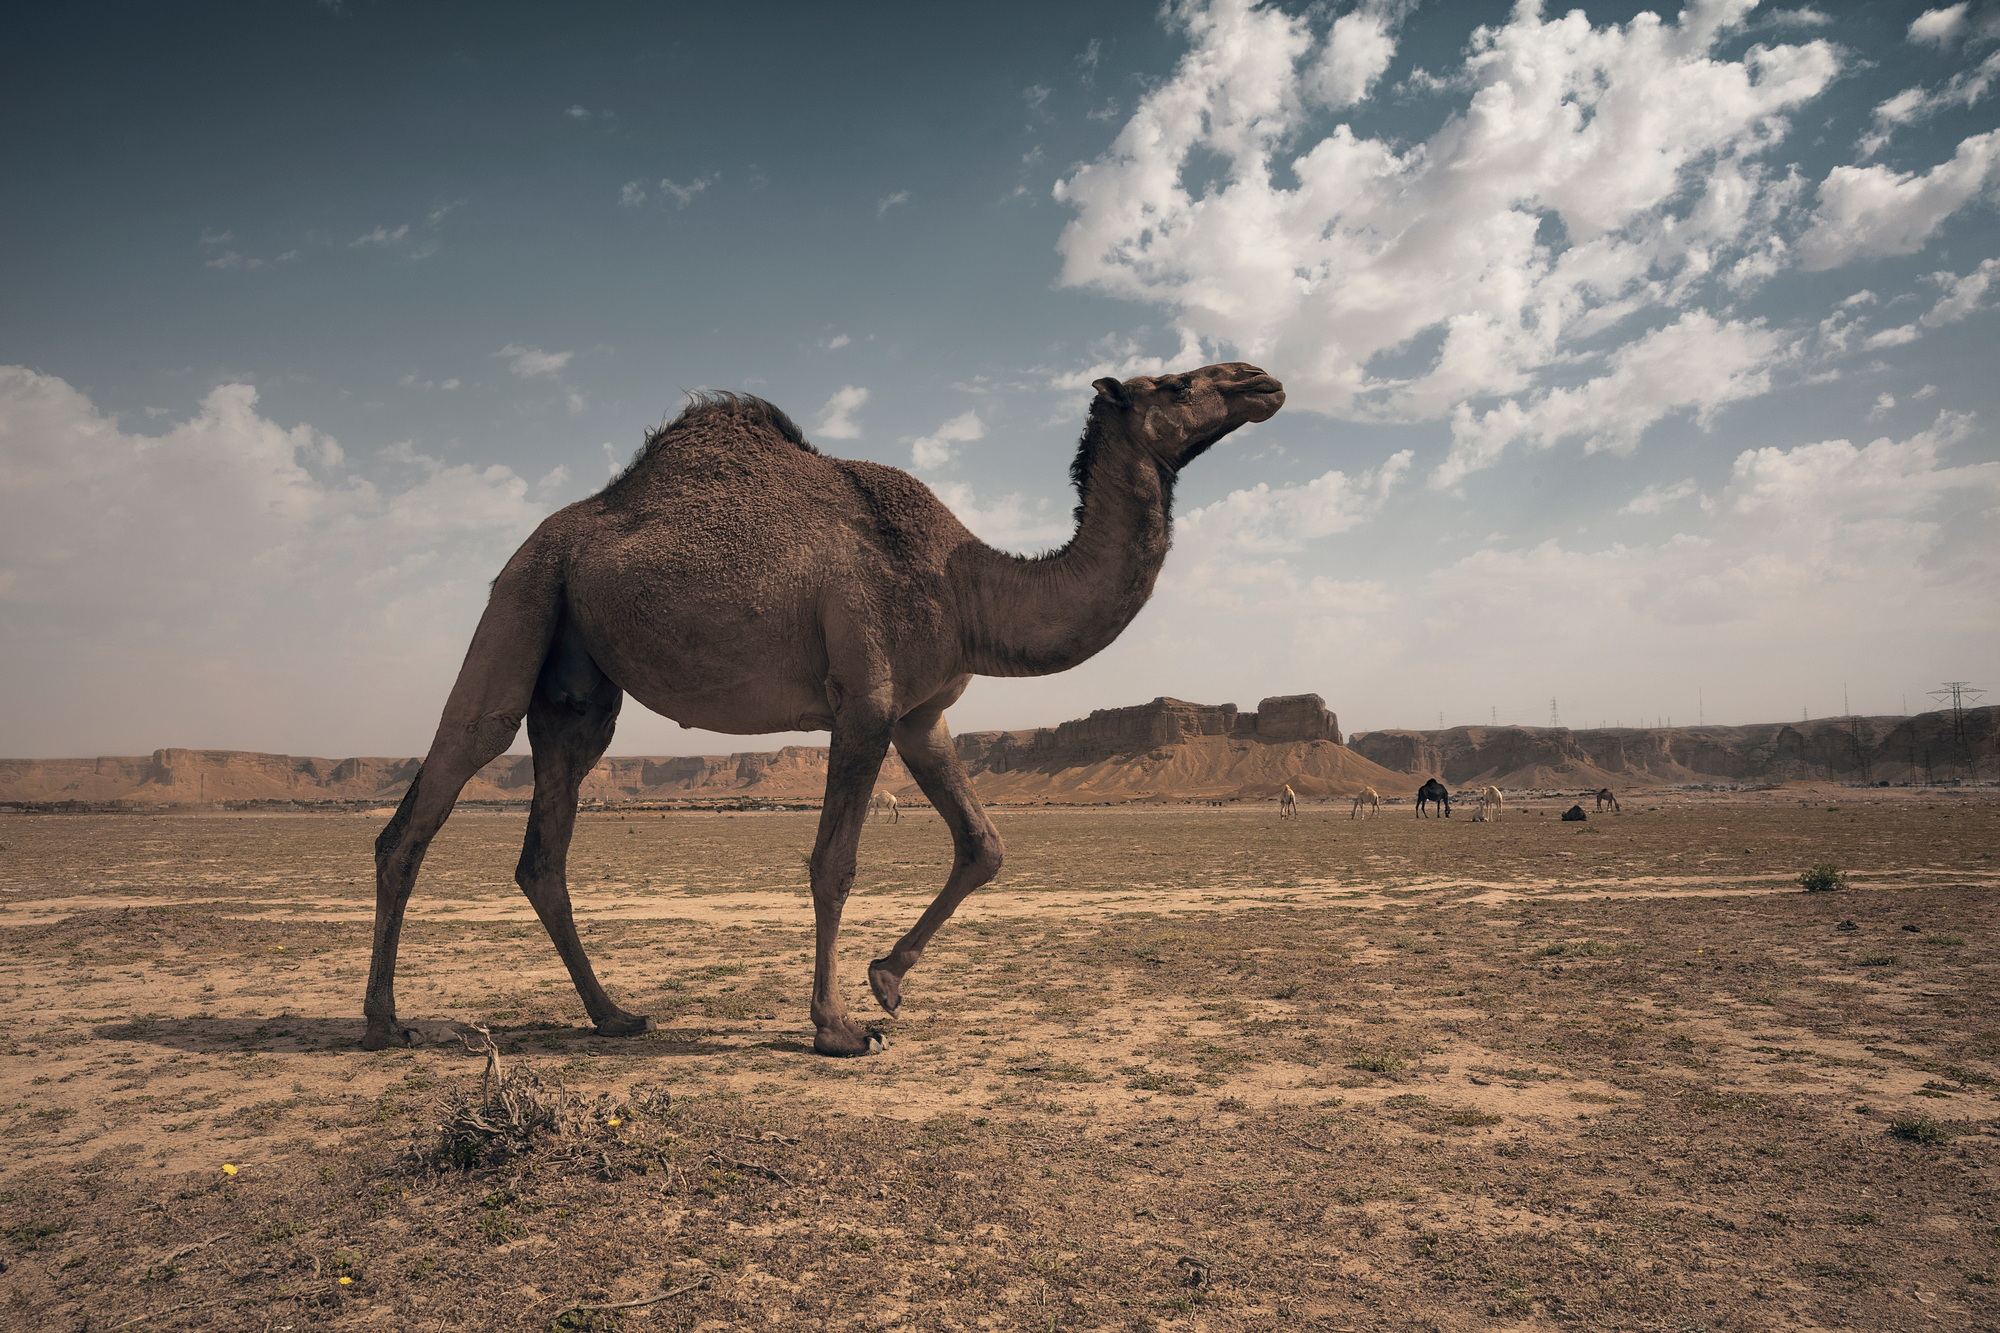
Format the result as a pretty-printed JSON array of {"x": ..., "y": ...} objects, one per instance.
[{"x": 898, "y": 502}]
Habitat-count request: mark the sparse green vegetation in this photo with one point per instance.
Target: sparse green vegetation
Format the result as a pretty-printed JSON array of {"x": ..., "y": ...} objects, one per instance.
[{"x": 1822, "y": 877}]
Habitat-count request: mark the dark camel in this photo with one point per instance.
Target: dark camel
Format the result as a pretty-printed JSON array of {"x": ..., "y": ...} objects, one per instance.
[
  {"x": 735, "y": 579},
  {"x": 1434, "y": 793}
]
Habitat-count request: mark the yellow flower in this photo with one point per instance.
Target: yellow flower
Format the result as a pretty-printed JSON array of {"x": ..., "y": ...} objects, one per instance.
[
  {"x": 614, "y": 1122},
  {"x": 347, "y": 1282},
  {"x": 229, "y": 1168}
]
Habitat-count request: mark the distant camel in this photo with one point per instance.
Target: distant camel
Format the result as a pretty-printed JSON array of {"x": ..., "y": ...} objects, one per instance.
[
  {"x": 1435, "y": 793},
  {"x": 735, "y": 579},
  {"x": 883, "y": 805},
  {"x": 1605, "y": 796},
  {"x": 1288, "y": 803},
  {"x": 1489, "y": 807},
  {"x": 1369, "y": 799}
]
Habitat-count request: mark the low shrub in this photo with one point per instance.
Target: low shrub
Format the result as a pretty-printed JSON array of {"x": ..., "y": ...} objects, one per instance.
[{"x": 1823, "y": 877}]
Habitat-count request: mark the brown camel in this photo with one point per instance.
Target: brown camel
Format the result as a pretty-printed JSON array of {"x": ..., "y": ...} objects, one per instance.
[
  {"x": 1369, "y": 799},
  {"x": 1605, "y": 796},
  {"x": 735, "y": 579}
]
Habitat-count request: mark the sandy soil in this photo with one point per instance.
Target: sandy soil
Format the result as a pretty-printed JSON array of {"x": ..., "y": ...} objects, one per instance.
[{"x": 1181, "y": 1068}]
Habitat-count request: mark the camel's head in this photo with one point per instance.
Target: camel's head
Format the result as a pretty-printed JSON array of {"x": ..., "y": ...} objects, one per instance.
[{"x": 1179, "y": 416}]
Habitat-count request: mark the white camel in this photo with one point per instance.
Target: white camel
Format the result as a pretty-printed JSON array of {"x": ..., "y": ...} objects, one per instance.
[
  {"x": 1489, "y": 807},
  {"x": 1288, "y": 803},
  {"x": 1369, "y": 799},
  {"x": 883, "y": 805}
]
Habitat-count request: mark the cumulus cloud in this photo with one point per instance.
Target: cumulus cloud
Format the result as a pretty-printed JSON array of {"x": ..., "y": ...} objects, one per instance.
[
  {"x": 380, "y": 236},
  {"x": 192, "y": 587},
  {"x": 533, "y": 362},
  {"x": 1697, "y": 364},
  {"x": 1656, "y": 498},
  {"x": 935, "y": 449},
  {"x": 1940, "y": 27},
  {"x": 1914, "y": 104},
  {"x": 683, "y": 195},
  {"x": 1013, "y": 522},
  {"x": 1964, "y": 296},
  {"x": 836, "y": 419},
  {"x": 1264, "y": 518},
  {"x": 1875, "y": 211},
  {"x": 1597, "y": 184}
]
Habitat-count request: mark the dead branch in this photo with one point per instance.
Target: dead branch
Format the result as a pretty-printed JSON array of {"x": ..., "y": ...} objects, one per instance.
[{"x": 695, "y": 1285}]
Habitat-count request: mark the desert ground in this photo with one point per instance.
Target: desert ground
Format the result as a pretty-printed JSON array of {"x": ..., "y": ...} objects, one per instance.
[{"x": 1180, "y": 1068}]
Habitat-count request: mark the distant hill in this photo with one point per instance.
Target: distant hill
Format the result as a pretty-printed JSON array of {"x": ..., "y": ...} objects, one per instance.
[{"x": 1168, "y": 749}]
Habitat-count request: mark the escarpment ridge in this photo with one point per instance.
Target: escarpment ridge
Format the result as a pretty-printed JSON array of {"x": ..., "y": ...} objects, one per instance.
[{"x": 1168, "y": 749}]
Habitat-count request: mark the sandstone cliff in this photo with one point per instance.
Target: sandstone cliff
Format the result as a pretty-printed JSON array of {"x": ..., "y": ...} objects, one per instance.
[
  {"x": 1863, "y": 749},
  {"x": 1168, "y": 749}
]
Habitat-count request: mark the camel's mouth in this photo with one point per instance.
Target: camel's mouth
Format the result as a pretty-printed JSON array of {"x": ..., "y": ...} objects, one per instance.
[{"x": 1263, "y": 396}]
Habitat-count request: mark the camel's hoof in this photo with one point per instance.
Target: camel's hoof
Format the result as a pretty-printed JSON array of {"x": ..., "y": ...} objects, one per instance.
[
  {"x": 849, "y": 1044},
  {"x": 626, "y": 1025},
  {"x": 386, "y": 1037},
  {"x": 888, "y": 987}
]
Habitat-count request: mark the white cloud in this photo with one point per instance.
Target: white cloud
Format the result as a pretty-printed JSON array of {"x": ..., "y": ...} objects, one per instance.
[
  {"x": 1356, "y": 53},
  {"x": 1013, "y": 522},
  {"x": 1870, "y": 212},
  {"x": 837, "y": 341},
  {"x": 632, "y": 193},
  {"x": 530, "y": 362},
  {"x": 889, "y": 201},
  {"x": 1885, "y": 403},
  {"x": 935, "y": 450},
  {"x": 836, "y": 419},
  {"x": 578, "y": 113},
  {"x": 231, "y": 259},
  {"x": 1939, "y": 27},
  {"x": 1963, "y": 297},
  {"x": 1911, "y": 105},
  {"x": 380, "y": 236},
  {"x": 685, "y": 194},
  {"x": 1656, "y": 498},
  {"x": 1593, "y": 177},
  {"x": 1696, "y": 364},
  {"x": 1265, "y": 519},
  {"x": 196, "y": 587}
]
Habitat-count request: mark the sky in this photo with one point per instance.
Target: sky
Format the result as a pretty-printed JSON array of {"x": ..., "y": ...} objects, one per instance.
[{"x": 1641, "y": 362}]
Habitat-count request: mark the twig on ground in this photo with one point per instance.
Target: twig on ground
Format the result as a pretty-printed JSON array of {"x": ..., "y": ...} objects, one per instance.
[
  {"x": 161, "y": 1314},
  {"x": 180, "y": 1253},
  {"x": 695, "y": 1285}
]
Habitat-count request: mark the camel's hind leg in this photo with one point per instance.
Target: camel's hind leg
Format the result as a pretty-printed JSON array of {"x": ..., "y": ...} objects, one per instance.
[
  {"x": 925, "y": 745},
  {"x": 480, "y": 721},
  {"x": 570, "y": 724}
]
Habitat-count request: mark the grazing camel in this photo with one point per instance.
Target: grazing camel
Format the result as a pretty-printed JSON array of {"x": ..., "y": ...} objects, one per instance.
[
  {"x": 1605, "y": 796},
  {"x": 733, "y": 578},
  {"x": 1489, "y": 807},
  {"x": 1435, "y": 793},
  {"x": 1288, "y": 803},
  {"x": 1369, "y": 799},
  {"x": 883, "y": 805}
]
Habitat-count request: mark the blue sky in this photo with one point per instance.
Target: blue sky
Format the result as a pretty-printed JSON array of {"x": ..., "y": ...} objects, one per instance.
[{"x": 1642, "y": 361}]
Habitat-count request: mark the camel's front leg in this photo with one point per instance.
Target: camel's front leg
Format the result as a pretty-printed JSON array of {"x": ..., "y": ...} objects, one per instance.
[
  {"x": 925, "y": 745},
  {"x": 854, "y": 760}
]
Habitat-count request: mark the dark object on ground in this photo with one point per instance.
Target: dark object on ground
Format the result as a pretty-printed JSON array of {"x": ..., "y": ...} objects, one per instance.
[
  {"x": 1435, "y": 793},
  {"x": 1574, "y": 815},
  {"x": 1847, "y": 925}
]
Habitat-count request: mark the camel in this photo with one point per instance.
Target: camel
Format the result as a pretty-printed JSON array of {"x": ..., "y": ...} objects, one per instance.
[
  {"x": 1288, "y": 803},
  {"x": 1605, "y": 796},
  {"x": 883, "y": 805},
  {"x": 734, "y": 578},
  {"x": 1369, "y": 799},
  {"x": 1489, "y": 807},
  {"x": 1435, "y": 793}
]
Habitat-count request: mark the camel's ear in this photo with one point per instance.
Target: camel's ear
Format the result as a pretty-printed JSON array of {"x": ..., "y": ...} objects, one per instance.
[{"x": 1112, "y": 389}]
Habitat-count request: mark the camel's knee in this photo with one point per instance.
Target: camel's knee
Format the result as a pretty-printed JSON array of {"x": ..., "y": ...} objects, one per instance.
[{"x": 983, "y": 854}]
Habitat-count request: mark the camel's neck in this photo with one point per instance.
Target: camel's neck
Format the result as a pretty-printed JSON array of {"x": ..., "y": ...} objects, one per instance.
[{"x": 1034, "y": 617}]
